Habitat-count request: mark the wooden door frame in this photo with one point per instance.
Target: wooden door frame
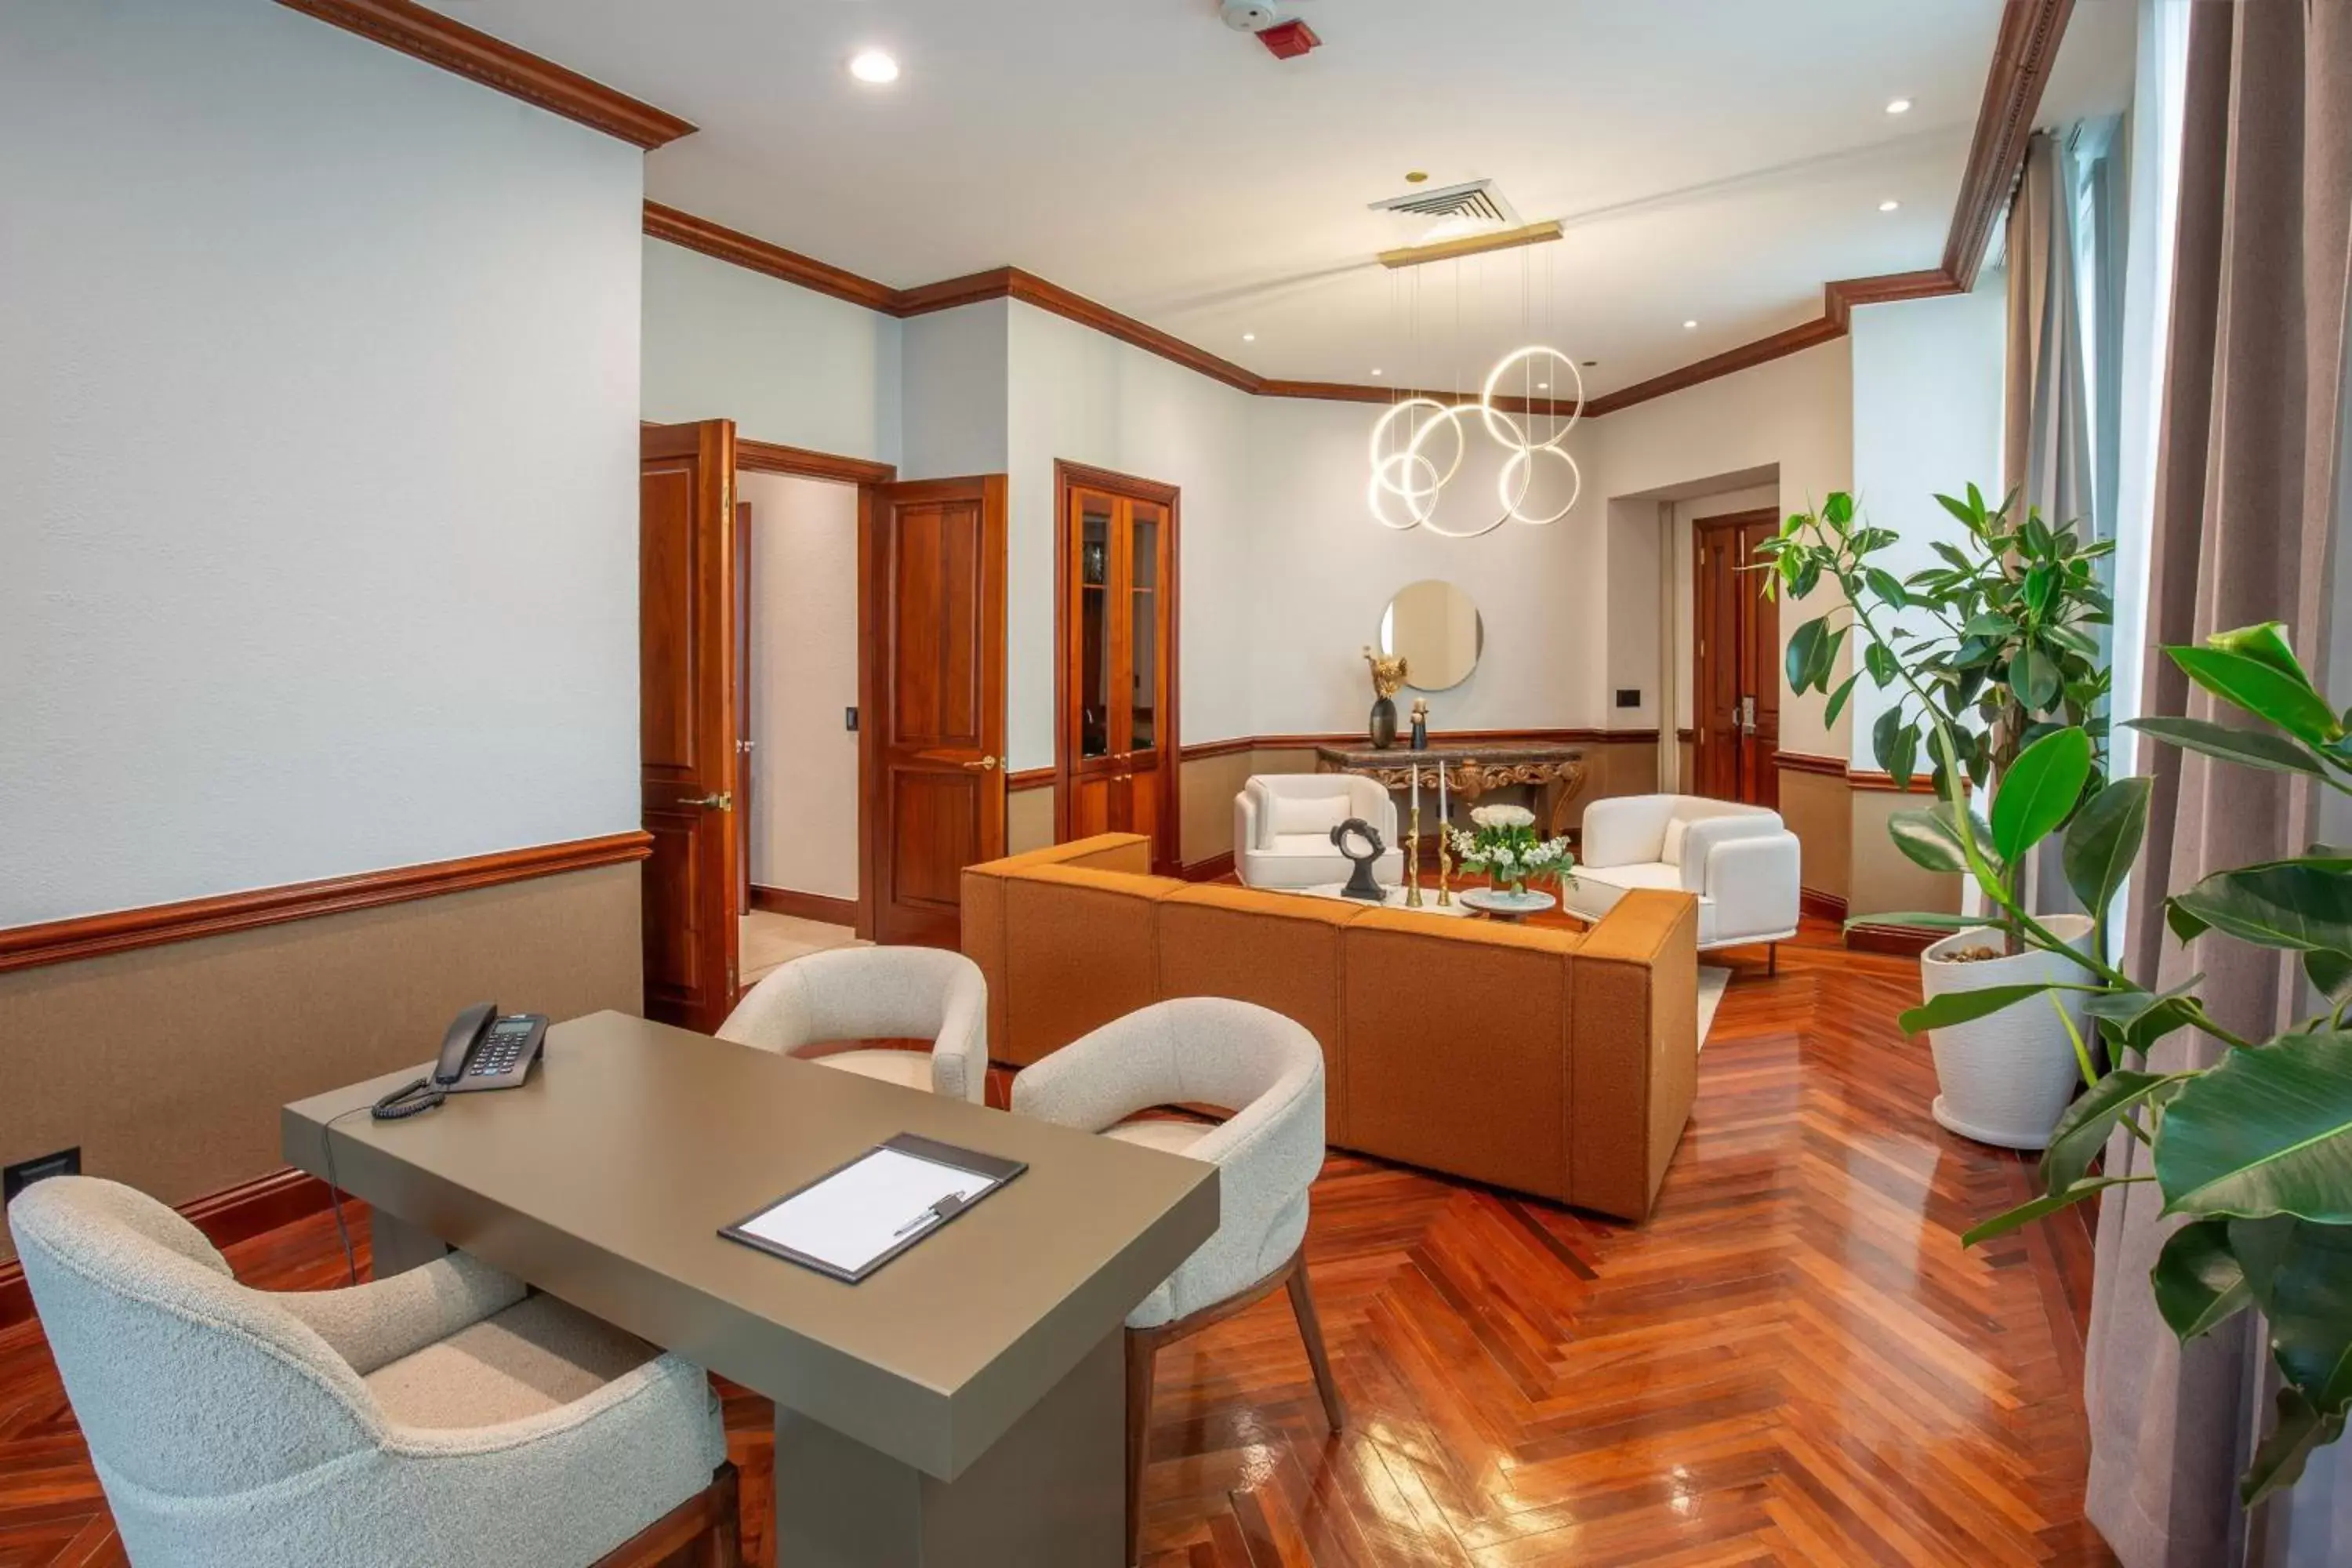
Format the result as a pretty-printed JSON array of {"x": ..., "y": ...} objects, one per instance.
[
  {"x": 1069, "y": 476},
  {"x": 866, "y": 474},
  {"x": 873, "y": 629},
  {"x": 1767, "y": 681}
]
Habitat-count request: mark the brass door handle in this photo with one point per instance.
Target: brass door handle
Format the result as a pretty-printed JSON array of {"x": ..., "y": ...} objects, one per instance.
[
  {"x": 723, "y": 801},
  {"x": 983, "y": 765}
]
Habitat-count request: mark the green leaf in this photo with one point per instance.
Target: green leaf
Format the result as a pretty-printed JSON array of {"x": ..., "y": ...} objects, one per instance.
[
  {"x": 1879, "y": 659},
  {"x": 1959, "y": 509},
  {"x": 1825, "y": 658},
  {"x": 2136, "y": 1020},
  {"x": 1838, "y": 509},
  {"x": 2033, "y": 679},
  {"x": 1926, "y": 920},
  {"x": 1797, "y": 661},
  {"x": 1961, "y": 1006},
  {"x": 1837, "y": 699},
  {"x": 2104, "y": 841},
  {"x": 2330, "y": 975},
  {"x": 1927, "y": 839},
  {"x": 2286, "y": 701},
  {"x": 1990, "y": 627},
  {"x": 2082, "y": 1130},
  {"x": 2039, "y": 581},
  {"x": 2265, "y": 644},
  {"x": 2040, "y": 791},
  {"x": 2047, "y": 1204},
  {"x": 2300, "y": 905},
  {"x": 2252, "y": 748},
  {"x": 2268, "y": 1131},
  {"x": 1882, "y": 584},
  {"x": 1959, "y": 562},
  {"x": 2280, "y": 1457},
  {"x": 2198, "y": 1282},
  {"x": 2308, "y": 1299}
]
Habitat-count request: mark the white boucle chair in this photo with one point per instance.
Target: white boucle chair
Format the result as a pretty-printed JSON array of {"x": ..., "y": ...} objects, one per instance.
[
  {"x": 1268, "y": 1072},
  {"x": 1283, "y": 823},
  {"x": 876, "y": 994},
  {"x": 1744, "y": 865},
  {"x": 442, "y": 1416}
]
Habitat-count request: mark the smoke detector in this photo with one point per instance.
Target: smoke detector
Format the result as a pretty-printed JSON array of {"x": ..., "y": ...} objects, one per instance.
[{"x": 1249, "y": 15}]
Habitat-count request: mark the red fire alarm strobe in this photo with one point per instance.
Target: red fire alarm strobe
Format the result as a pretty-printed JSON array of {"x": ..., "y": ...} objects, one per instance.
[{"x": 1288, "y": 40}]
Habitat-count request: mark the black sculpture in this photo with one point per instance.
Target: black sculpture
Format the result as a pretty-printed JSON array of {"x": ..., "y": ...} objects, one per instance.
[{"x": 1360, "y": 881}]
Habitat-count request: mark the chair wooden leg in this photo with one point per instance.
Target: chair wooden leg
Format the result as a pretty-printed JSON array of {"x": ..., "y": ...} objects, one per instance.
[
  {"x": 1142, "y": 1348},
  {"x": 1772, "y": 958},
  {"x": 703, "y": 1532},
  {"x": 1311, "y": 1328},
  {"x": 723, "y": 1546}
]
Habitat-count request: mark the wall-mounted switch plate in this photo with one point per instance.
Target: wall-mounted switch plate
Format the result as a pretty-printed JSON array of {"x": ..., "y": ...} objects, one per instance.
[
  {"x": 1629, "y": 697},
  {"x": 849, "y": 719}
]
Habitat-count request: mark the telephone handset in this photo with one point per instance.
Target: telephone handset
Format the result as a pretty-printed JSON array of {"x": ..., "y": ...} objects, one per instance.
[{"x": 482, "y": 1051}]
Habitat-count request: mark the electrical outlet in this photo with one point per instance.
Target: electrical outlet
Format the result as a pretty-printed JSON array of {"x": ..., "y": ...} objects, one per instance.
[
  {"x": 849, "y": 719},
  {"x": 24, "y": 1173},
  {"x": 1629, "y": 697}
]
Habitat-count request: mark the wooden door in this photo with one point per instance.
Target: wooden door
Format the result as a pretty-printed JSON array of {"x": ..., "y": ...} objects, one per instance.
[
  {"x": 931, "y": 568},
  {"x": 1116, "y": 685},
  {"x": 1735, "y": 695},
  {"x": 743, "y": 740},
  {"x": 687, "y": 718}
]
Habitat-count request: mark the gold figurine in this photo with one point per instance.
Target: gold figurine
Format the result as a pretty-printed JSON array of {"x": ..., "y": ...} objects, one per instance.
[
  {"x": 1412, "y": 854},
  {"x": 1445, "y": 860}
]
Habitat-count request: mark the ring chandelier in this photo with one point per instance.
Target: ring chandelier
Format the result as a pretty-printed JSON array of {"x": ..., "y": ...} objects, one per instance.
[{"x": 1409, "y": 477}]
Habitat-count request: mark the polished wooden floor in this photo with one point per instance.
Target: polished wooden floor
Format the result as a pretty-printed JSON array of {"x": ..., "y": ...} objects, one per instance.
[{"x": 1793, "y": 1362}]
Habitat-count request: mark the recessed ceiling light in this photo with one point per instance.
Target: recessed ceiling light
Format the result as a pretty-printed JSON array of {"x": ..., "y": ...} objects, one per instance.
[
  {"x": 1376, "y": 370},
  {"x": 1249, "y": 337},
  {"x": 874, "y": 65},
  {"x": 1690, "y": 326},
  {"x": 1898, "y": 106},
  {"x": 1543, "y": 386},
  {"x": 1888, "y": 207}
]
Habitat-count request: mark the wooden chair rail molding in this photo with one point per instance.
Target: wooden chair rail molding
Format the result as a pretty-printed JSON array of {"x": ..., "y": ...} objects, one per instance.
[
  {"x": 117, "y": 930},
  {"x": 1039, "y": 778},
  {"x": 456, "y": 47}
]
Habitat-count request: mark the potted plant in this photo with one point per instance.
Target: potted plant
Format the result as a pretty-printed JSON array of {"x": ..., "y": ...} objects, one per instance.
[
  {"x": 1502, "y": 846},
  {"x": 2253, "y": 1155},
  {"x": 1993, "y": 646}
]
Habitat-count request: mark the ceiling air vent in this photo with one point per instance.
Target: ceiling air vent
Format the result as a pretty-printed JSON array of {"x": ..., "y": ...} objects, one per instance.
[{"x": 1477, "y": 205}]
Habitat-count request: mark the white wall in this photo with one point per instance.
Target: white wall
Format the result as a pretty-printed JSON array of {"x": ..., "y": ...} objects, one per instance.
[
  {"x": 1323, "y": 570},
  {"x": 1795, "y": 413},
  {"x": 952, "y": 408},
  {"x": 318, "y": 404},
  {"x": 1927, "y": 418},
  {"x": 785, "y": 363},
  {"x": 803, "y": 641},
  {"x": 1074, "y": 394}
]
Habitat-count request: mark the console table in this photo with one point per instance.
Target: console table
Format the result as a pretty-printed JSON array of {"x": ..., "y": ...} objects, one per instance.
[{"x": 1470, "y": 769}]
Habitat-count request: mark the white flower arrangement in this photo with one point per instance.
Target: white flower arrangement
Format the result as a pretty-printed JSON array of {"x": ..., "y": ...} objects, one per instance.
[{"x": 1503, "y": 847}]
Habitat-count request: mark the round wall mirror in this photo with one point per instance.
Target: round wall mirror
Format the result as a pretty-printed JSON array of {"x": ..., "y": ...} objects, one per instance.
[{"x": 1435, "y": 627}]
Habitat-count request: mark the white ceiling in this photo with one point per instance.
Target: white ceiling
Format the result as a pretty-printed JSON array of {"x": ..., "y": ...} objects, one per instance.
[{"x": 1712, "y": 159}]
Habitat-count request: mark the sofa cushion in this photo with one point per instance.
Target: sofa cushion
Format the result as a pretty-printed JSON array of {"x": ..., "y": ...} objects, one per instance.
[
  {"x": 1670, "y": 847},
  {"x": 1315, "y": 816},
  {"x": 1278, "y": 949},
  {"x": 1082, "y": 949}
]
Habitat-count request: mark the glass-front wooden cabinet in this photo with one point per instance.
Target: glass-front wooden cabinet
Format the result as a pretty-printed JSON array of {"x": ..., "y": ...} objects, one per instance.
[{"x": 1116, "y": 753}]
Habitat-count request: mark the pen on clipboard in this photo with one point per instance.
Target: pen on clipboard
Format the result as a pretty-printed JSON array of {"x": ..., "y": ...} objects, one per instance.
[{"x": 936, "y": 1211}]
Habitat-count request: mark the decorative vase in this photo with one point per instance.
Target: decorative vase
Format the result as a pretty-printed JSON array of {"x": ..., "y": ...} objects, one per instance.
[
  {"x": 1383, "y": 726},
  {"x": 2007, "y": 1077}
]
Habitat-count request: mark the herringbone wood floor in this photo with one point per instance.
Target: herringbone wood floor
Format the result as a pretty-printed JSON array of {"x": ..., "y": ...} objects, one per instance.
[{"x": 1792, "y": 1362}]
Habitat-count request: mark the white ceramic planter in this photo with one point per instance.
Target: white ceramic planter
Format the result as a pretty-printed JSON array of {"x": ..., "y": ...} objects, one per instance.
[{"x": 2007, "y": 1078}]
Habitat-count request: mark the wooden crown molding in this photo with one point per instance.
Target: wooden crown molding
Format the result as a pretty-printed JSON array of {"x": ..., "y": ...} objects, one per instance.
[
  {"x": 434, "y": 38},
  {"x": 729, "y": 244},
  {"x": 2023, "y": 51},
  {"x": 89, "y": 936}
]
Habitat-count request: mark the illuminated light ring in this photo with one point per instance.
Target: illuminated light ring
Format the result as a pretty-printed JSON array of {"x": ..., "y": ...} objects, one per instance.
[
  {"x": 1412, "y": 448},
  {"x": 1431, "y": 522},
  {"x": 1377, "y": 492},
  {"x": 1485, "y": 405},
  {"x": 1519, "y": 461}
]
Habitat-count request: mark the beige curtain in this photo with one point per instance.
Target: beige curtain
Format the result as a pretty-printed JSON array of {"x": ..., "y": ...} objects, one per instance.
[
  {"x": 2245, "y": 489},
  {"x": 2046, "y": 429}
]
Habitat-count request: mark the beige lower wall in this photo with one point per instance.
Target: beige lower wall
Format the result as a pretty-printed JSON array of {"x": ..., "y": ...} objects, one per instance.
[
  {"x": 167, "y": 1065},
  {"x": 1819, "y": 810},
  {"x": 1885, "y": 880},
  {"x": 1028, "y": 818}
]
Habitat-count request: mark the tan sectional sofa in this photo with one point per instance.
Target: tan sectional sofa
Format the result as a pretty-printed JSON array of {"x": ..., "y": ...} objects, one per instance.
[{"x": 1548, "y": 1061}]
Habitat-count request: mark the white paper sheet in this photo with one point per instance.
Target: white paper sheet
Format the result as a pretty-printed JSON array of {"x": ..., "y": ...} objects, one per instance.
[{"x": 861, "y": 1212}]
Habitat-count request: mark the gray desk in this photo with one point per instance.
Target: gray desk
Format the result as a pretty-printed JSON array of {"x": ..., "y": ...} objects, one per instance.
[{"x": 964, "y": 1405}]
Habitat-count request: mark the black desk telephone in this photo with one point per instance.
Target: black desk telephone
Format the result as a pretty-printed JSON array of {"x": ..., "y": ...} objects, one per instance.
[{"x": 482, "y": 1051}]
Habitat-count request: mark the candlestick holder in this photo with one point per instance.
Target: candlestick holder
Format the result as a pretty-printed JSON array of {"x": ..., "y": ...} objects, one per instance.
[
  {"x": 1412, "y": 855},
  {"x": 1444, "y": 864}
]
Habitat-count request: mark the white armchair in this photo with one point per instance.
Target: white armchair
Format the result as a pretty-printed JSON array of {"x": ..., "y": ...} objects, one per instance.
[
  {"x": 1283, "y": 823},
  {"x": 1741, "y": 861},
  {"x": 876, "y": 994},
  {"x": 440, "y": 1416},
  {"x": 1267, "y": 1070}
]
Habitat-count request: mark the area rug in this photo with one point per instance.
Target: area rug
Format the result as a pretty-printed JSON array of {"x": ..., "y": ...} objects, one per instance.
[{"x": 1711, "y": 982}]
